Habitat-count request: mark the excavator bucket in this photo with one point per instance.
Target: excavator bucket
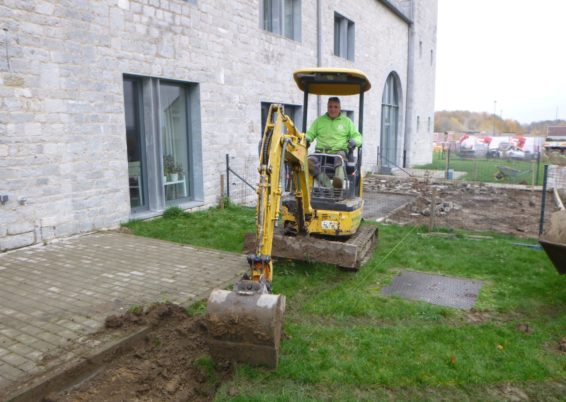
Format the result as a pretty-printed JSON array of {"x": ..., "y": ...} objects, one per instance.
[{"x": 245, "y": 327}]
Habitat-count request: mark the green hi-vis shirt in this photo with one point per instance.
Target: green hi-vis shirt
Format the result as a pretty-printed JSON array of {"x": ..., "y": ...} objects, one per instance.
[{"x": 333, "y": 134}]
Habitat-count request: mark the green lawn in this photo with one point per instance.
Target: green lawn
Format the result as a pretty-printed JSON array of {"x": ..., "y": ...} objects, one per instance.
[
  {"x": 344, "y": 341},
  {"x": 484, "y": 170}
]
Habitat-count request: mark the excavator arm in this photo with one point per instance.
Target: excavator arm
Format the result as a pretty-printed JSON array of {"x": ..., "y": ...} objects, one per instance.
[
  {"x": 246, "y": 324},
  {"x": 281, "y": 144}
]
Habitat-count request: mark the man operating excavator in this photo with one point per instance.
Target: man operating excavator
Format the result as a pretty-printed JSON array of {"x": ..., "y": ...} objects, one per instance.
[{"x": 336, "y": 134}]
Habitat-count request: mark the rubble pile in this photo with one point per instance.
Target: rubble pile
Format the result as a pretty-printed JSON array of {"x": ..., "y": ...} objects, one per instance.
[{"x": 390, "y": 184}]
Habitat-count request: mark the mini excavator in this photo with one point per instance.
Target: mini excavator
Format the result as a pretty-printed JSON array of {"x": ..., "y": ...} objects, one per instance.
[{"x": 300, "y": 218}]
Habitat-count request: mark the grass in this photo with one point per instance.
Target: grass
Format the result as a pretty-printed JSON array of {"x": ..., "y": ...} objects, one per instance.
[
  {"x": 344, "y": 341},
  {"x": 222, "y": 229},
  {"x": 484, "y": 170}
]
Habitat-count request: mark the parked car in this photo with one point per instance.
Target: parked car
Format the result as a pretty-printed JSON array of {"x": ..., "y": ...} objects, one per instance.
[
  {"x": 493, "y": 153},
  {"x": 515, "y": 154}
]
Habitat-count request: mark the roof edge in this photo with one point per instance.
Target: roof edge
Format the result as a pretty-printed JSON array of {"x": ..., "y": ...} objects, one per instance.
[{"x": 393, "y": 8}]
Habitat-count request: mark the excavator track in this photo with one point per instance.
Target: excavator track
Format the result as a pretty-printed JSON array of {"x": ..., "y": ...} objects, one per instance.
[{"x": 349, "y": 254}]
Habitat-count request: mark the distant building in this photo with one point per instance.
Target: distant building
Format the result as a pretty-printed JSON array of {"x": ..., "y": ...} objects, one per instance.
[
  {"x": 555, "y": 138},
  {"x": 559, "y": 131},
  {"x": 118, "y": 109}
]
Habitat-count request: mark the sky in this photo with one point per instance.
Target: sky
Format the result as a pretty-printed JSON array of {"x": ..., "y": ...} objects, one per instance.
[{"x": 507, "y": 56}]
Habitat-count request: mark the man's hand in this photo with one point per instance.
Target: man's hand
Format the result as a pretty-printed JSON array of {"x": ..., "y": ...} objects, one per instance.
[{"x": 352, "y": 144}]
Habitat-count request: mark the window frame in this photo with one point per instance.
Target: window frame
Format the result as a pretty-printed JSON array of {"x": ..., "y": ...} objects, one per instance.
[
  {"x": 274, "y": 18},
  {"x": 152, "y": 153},
  {"x": 344, "y": 37},
  {"x": 296, "y": 114}
]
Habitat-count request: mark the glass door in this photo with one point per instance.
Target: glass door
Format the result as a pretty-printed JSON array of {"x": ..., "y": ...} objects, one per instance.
[
  {"x": 132, "y": 103},
  {"x": 174, "y": 137}
]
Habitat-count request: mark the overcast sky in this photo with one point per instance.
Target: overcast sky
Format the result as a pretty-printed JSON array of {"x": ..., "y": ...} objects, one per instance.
[{"x": 509, "y": 51}]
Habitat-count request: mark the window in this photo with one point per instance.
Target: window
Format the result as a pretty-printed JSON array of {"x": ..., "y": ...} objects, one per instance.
[
  {"x": 282, "y": 17},
  {"x": 418, "y": 123},
  {"x": 420, "y": 49},
  {"x": 174, "y": 140},
  {"x": 431, "y": 57},
  {"x": 390, "y": 100},
  {"x": 163, "y": 143},
  {"x": 344, "y": 38},
  {"x": 348, "y": 113},
  {"x": 135, "y": 145},
  {"x": 293, "y": 111},
  {"x": 428, "y": 125}
]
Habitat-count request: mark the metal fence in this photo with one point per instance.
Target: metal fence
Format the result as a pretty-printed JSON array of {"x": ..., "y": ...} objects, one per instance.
[
  {"x": 553, "y": 219},
  {"x": 512, "y": 166},
  {"x": 474, "y": 201}
]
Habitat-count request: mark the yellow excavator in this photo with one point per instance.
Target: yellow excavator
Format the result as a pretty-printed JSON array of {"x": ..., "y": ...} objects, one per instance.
[{"x": 299, "y": 217}]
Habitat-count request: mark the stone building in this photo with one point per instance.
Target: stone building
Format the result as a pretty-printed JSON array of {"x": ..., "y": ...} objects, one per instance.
[{"x": 117, "y": 109}]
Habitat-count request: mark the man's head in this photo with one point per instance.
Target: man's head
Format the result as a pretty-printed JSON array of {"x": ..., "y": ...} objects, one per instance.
[{"x": 333, "y": 107}]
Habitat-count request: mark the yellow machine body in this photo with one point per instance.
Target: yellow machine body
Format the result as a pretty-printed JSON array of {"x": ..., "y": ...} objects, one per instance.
[{"x": 246, "y": 323}]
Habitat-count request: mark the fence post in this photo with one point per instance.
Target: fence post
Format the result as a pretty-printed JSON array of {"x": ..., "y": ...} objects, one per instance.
[
  {"x": 221, "y": 191},
  {"x": 432, "y": 210},
  {"x": 542, "y": 207},
  {"x": 475, "y": 170},
  {"x": 447, "y": 162},
  {"x": 538, "y": 166},
  {"x": 228, "y": 176}
]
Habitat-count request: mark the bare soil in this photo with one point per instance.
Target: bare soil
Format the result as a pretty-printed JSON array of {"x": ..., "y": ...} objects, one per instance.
[
  {"x": 469, "y": 206},
  {"x": 172, "y": 363}
]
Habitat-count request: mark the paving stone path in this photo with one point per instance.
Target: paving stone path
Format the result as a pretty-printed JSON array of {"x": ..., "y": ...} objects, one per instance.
[{"x": 53, "y": 296}]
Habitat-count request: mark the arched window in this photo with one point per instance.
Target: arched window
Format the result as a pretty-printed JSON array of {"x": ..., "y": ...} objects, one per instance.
[{"x": 389, "y": 123}]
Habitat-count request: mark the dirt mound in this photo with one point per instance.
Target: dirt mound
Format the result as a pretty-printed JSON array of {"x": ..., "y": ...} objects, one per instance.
[
  {"x": 557, "y": 231},
  {"x": 171, "y": 363}
]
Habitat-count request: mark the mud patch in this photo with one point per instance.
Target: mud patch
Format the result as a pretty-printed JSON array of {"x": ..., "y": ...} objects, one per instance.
[{"x": 171, "y": 363}]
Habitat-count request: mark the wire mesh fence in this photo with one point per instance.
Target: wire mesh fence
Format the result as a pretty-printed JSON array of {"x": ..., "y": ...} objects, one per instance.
[
  {"x": 241, "y": 179},
  {"x": 554, "y": 188},
  {"x": 512, "y": 166},
  {"x": 553, "y": 218}
]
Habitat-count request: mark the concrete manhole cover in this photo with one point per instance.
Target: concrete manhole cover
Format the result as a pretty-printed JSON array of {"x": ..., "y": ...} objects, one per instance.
[{"x": 434, "y": 289}]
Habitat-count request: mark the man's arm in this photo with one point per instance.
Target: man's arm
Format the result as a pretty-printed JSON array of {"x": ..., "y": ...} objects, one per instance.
[
  {"x": 354, "y": 134},
  {"x": 311, "y": 133}
]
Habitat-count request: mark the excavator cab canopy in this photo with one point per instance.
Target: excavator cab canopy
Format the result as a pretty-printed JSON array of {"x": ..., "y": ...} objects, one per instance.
[{"x": 331, "y": 81}]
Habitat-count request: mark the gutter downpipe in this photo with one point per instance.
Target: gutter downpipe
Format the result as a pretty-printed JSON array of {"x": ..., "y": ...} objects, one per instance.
[
  {"x": 318, "y": 49},
  {"x": 409, "y": 89}
]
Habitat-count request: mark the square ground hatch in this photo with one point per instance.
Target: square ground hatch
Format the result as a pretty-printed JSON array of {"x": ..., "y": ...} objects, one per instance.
[{"x": 434, "y": 289}]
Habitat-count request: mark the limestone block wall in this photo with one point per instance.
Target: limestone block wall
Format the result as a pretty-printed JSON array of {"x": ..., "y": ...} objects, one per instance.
[
  {"x": 424, "y": 45},
  {"x": 63, "y": 160}
]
